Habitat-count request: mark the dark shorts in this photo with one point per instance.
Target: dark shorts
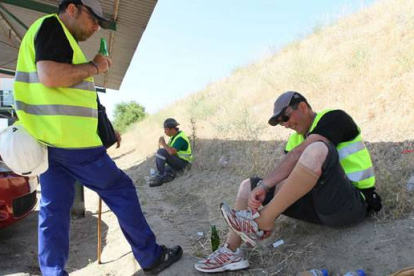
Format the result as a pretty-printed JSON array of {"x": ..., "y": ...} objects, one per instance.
[{"x": 334, "y": 201}]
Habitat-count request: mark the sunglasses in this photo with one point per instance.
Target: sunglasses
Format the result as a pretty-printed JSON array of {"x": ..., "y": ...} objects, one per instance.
[
  {"x": 90, "y": 14},
  {"x": 285, "y": 116}
]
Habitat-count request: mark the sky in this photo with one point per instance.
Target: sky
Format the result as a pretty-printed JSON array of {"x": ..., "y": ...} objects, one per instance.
[{"x": 191, "y": 43}]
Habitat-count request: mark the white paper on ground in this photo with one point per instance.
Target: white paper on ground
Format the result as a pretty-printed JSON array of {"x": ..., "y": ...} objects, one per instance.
[{"x": 278, "y": 243}]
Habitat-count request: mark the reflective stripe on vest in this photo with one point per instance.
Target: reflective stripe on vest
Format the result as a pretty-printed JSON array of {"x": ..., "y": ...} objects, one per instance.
[
  {"x": 56, "y": 110},
  {"x": 34, "y": 78},
  {"x": 183, "y": 154},
  {"x": 352, "y": 148},
  {"x": 353, "y": 156},
  {"x": 361, "y": 175},
  {"x": 63, "y": 117}
]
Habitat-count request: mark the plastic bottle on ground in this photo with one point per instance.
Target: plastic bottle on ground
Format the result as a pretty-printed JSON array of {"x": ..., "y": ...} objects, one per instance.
[
  {"x": 314, "y": 272},
  {"x": 410, "y": 184},
  {"x": 359, "y": 272}
]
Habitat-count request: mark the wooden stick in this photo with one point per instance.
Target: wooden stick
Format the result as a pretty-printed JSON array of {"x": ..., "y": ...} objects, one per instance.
[{"x": 99, "y": 231}]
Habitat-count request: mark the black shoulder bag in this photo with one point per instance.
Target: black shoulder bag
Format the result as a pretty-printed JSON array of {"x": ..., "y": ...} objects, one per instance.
[{"x": 105, "y": 129}]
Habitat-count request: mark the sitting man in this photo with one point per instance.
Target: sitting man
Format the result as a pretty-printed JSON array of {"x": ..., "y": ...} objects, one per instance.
[
  {"x": 176, "y": 154},
  {"x": 326, "y": 178}
]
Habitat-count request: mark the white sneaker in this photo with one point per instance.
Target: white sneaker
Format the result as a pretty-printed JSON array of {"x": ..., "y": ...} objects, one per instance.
[
  {"x": 221, "y": 260},
  {"x": 242, "y": 222}
]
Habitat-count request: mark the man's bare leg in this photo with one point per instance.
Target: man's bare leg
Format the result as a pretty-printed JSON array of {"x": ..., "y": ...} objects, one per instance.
[
  {"x": 303, "y": 178},
  {"x": 233, "y": 240},
  {"x": 311, "y": 161}
]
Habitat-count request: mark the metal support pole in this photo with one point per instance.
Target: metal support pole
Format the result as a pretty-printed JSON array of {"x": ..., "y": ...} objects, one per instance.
[
  {"x": 99, "y": 231},
  {"x": 78, "y": 208}
]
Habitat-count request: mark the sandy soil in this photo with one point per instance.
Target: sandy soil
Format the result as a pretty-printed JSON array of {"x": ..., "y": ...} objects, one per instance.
[{"x": 177, "y": 212}]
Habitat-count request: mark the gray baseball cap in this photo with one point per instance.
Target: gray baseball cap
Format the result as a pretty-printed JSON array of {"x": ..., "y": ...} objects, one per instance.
[
  {"x": 96, "y": 9},
  {"x": 286, "y": 99}
]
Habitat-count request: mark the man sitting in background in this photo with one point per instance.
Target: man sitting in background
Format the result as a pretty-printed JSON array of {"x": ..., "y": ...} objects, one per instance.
[
  {"x": 176, "y": 154},
  {"x": 326, "y": 178}
]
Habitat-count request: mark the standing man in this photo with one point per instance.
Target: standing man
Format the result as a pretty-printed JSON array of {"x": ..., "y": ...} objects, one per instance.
[
  {"x": 326, "y": 178},
  {"x": 176, "y": 154},
  {"x": 56, "y": 102}
]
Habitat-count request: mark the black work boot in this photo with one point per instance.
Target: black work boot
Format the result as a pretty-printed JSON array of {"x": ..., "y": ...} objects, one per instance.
[
  {"x": 167, "y": 258},
  {"x": 168, "y": 177},
  {"x": 156, "y": 181}
]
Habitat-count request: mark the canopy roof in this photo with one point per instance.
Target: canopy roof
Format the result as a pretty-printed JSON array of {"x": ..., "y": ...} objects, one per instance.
[{"x": 130, "y": 18}]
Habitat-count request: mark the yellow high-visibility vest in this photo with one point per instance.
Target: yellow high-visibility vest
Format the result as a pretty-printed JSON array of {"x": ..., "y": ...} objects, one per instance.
[
  {"x": 183, "y": 154},
  {"x": 354, "y": 157},
  {"x": 62, "y": 117}
]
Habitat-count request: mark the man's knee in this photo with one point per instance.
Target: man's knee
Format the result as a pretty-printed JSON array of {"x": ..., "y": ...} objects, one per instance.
[
  {"x": 314, "y": 156},
  {"x": 244, "y": 189},
  {"x": 162, "y": 154}
]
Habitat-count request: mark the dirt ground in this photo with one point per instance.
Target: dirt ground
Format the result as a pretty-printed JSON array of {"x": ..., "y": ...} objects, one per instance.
[{"x": 176, "y": 212}]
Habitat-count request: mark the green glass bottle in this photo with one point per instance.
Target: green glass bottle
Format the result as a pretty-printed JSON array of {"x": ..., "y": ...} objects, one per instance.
[
  {"x": 103, "y": 49},
  {"x": 215, "y": 239}
]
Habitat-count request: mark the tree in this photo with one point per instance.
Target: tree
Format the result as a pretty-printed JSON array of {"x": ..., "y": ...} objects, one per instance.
[{"x": 127, "y": 114}]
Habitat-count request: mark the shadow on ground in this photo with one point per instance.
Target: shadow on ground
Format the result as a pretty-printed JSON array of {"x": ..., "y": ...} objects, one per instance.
[
  {"x": 18, "y": 245},
  {"x": 191, "y": 205},
  {"x": 220, "y": 165}
]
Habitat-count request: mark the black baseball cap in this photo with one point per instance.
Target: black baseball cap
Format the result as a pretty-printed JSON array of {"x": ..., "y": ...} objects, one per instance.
[
  {"x": 288, "y": 98},
  {"x": 170, "y": 123},
  {"x": 95, "y": 8}
]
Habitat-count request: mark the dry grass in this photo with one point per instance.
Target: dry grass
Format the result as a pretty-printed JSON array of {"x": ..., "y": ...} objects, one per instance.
[
  {"x": 363, "y": 64},
  {"x": 393, "y": 169}
]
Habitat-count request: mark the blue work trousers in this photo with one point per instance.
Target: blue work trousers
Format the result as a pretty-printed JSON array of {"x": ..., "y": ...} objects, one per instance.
[
  {"x": 97, "y": 171},
  {"x": 176, "y": 164}
]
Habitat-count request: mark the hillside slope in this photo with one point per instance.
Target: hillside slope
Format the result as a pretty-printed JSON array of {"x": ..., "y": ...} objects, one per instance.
[{"x": 363, "y": 64}]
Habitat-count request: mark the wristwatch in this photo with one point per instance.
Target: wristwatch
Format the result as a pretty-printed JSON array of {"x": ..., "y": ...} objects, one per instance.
[{"x": 263, "y": 185}]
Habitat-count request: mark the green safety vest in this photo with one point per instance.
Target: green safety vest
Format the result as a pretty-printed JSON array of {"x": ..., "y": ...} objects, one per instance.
[
  {"x": 62, "y": 117},
  {"x": 183, "y": 154},
  {"x": 353, "y": 157}
]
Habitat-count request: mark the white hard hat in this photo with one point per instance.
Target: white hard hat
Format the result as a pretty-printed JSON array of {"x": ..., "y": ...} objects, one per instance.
[{"x": 22, "y": 153}]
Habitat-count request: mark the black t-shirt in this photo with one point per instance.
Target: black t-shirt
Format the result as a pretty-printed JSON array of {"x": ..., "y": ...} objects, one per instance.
[
  {"x": 51, "y": 42},
  {"x": 337, "y": 126}
]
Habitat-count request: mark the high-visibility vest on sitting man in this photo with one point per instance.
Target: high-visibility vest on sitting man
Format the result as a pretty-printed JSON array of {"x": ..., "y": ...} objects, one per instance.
[
  {"x": 183, "y": 154},
  {"x": 354, "y": 157}
]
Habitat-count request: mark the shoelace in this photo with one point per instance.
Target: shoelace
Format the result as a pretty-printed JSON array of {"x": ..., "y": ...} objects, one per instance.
[
  {"x": 215, "y": 254},
  {"x": 246, "y": 214},
  {"x": 247, "y": 223}
]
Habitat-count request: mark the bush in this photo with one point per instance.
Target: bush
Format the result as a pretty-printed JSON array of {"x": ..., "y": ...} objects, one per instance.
[{"x": 127, "y": 114}]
